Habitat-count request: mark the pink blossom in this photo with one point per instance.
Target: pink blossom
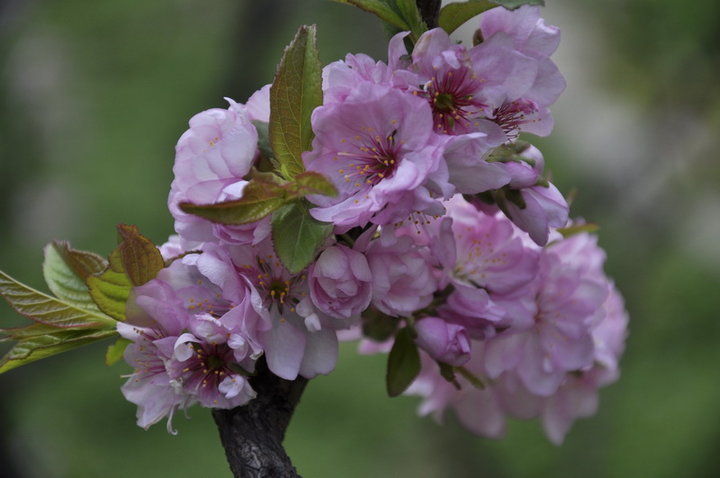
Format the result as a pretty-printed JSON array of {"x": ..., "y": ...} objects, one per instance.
[
  {"x": 340, "y": 78},
  {"x": 340, "y": 282},
  {"x": 529, "y": 36},
  {"x": 212, "y": 158},
  {"x": 543, "y": 207},
  {"x": 445, "y": 342},
  {"x": 188, "y": 346},
  {"x": 378, "y": 149},
  {"x": 403, "y": 280},
  {"x": 464, "y": 86},
  {"x": 568, "y": 291},
  {"x": 466, "y": 157},
  {"x": 533, "y": 204},
  {"x": 478, "y": 409},
  {"x": 297, "y": 340},
  {"x": 490, "y": 254}
]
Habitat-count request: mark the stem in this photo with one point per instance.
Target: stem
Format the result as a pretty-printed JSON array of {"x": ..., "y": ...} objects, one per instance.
[
  {"x": 252, "y": 434},
  {"x": 429, "y": 10}
]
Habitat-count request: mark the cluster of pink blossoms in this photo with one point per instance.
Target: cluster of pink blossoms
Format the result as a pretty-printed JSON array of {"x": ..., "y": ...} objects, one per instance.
[{"x": 444, "y": 226}]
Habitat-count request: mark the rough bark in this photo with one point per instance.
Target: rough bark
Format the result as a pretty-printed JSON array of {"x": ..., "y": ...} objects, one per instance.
[
  {"x": 252, "y": 435},
  {"x": 429, "y": 10}
]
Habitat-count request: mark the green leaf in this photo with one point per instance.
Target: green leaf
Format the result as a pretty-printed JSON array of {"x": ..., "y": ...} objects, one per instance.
[
  {"x": 83, "y": 263},
  {"x": 311, "y": 182},
  {"x": 141, "y": 260},
  {"x": 381, "y": 9},
  {"x": 378, "y": 326},
  {"x": 263, "y": 132},
  {"x": 259, "y": 199},
  {"x": 115, "y": 351},
  {"x": 578, "y": 229},
  {"x": 513, "y": 4},
  {"x": 297, "y": 236},
  {"x": 295, "y": 93},
  {"x": 49, "y": 310},
  {"x": 411, "y": 15},
  {"x": 403, "y": 363},
  {"x": 111, "y": 289},
  {"x": 453, "y": 15},
  {"x": 447, "y": 372},
  {"x": 43, "y": 346},
  {"x": 62, "y": 279},
  {"x": 29, "y": 331}
]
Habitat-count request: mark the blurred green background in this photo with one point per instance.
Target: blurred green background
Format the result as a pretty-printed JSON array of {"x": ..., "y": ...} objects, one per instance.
[{"x": 93, "y": 96}]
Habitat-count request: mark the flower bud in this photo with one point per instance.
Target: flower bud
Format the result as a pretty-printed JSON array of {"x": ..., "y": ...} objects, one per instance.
[
  {"x": 340, "y": 282},
  {"x": 444, "y": 341}
]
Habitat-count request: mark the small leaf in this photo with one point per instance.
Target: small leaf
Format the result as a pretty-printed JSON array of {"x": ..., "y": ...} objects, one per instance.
[
  {"x": 447, "y": 372},
  {"x": 264, "y": 139},
  {"x": 83, "y": 263},
  {"x": 49, "y": 310},
  {"x": 577, "y": 229},
  {"x": 410, "y": 14},
  {"x": 453, "y": 15},
  {"x": 140, "y": 258},
  {"x": 115, "y": 351},
  {"x": 513, "y": 4},
  {"x": 381, "y": 9},
  {"x": 62, "y": 279},
  {"x": 36, "y": 348},
  {"x": 111, "y": 289},
  {"x": 259, "y": 198},
  {"x": 295, "y": 93},
  {"x": 297, "y": 236},
  {"x": 378, "y": 326},
  {"x": 311, "y": 182},
  {"x": 403, "y": 363},
  {"x": 29, "y": 331}
]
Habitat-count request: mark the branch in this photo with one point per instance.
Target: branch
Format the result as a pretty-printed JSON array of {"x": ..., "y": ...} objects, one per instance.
[
  {"x": 429, "y": 10},
  {"x": 252, "y": 435}
]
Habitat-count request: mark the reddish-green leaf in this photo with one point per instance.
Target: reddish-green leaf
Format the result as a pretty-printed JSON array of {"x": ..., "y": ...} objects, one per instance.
[
  {"x": 259, "y": 199},
  {"x": 33, "y": 330},
  {"x": 43, "y": 346},
  {"x": 141, "y": 260},
  {"x": 83, "y": 263},
  {"x": 111, "y": 289},
  {"x": 49, "y": 310},
  {"x": 295, "y": 93},
  {"x": 60, "y": 269},
  {"x": 403, "y": 363},
  {"x": 311, "y": 182}
]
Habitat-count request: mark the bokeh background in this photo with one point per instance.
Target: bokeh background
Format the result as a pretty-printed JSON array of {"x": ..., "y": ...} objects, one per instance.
[{"x": 93, "y": 96}]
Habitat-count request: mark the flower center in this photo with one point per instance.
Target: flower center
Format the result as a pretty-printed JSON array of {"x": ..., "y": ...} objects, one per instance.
[
  {"x": 213, "y": 362},
  {"x": 451, "y": 97},
  {"x": 279, "y": 290},
  {"x": 275, "y": 285},
  {"x": 374, "y": 159},
  {"x": 510, "y": 116},
  {"x": 444, "y": 102}
]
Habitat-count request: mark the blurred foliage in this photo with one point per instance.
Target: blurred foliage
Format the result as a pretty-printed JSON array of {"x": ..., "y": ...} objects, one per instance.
[{"x": 94, "y": 96}]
